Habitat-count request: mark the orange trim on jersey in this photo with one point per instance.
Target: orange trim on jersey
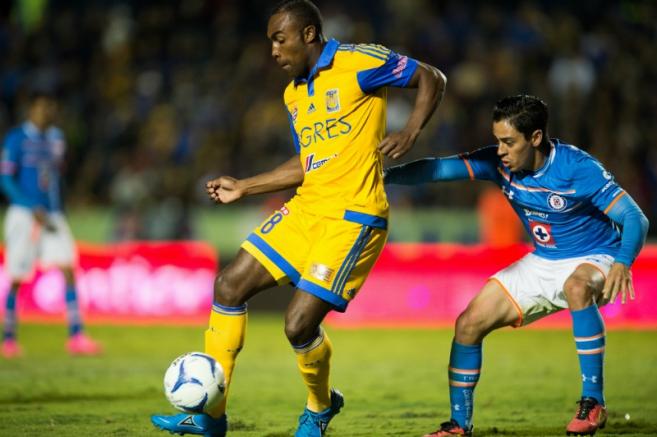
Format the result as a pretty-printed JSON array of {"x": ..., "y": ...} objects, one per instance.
[
  {"x": 469, "y": 167},
  {"x": 513, "y": 301},
  {"x": 531, "y": 189},
  {"x": 594, "y": 337},
  {"x": 461, "y": 384},
  {"x": 613, "y": 202},
  {"x": 464, "y": 371},
  {"x": 597, "y": 268}
]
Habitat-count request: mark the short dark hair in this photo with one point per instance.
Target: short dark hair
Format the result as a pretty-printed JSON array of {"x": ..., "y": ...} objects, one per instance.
[
  {"x": 525, "y": 113},
  {"x": 36, "y": 94},
  {"x": 303, "y": 10}
]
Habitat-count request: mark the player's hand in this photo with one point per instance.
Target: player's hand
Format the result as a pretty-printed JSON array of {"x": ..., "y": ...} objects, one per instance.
[
  {"x": 619, "y": 280},
  {"x": 224, "y": 189},
  {"x": 41, "y": 217},
  {"x": 396, "y": 144}
]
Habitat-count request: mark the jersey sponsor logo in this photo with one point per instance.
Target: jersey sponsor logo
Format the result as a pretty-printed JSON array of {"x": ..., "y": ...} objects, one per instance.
[
  {"x": 557, "y": 202},
  {"x": 312, "y": 164},
  {"x": 332, "y": 100},
  {"x": 529, "y": 213},
  {"x": 402, "y": 62},
  {"x": 311, "y": 108},
  {"x": 607, "y": 186},
  {"x": 323, "y": 130},
  {"x": 542, "y": 233}
]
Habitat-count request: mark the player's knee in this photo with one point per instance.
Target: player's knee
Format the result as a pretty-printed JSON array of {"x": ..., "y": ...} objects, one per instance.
[
  {"x": 470, "y": 324},
  {"x": 578, "y": 290},
  {"x": 298, "y": 329},
  {"x": 227, "y": 291}
]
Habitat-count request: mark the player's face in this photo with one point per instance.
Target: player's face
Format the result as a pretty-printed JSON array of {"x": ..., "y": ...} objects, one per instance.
[
  {"x": 516, "y": 152},
  {"x": 43, "y": 111},
  {"x": 289, "y": 43}
]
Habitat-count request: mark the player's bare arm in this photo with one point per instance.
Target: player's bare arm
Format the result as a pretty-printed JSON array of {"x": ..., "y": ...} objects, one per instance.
[
  {"x": 430, "y": 83},
  {"x": 226, "y": 189},
  {"x": 634, "y": 224}
]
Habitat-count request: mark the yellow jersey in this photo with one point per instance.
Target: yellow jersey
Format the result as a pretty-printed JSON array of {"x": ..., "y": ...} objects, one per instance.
[{"x": 338, "y": 117}]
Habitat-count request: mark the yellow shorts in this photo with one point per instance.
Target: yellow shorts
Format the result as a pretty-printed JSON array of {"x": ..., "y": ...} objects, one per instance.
[{"x": 327, "y": 257}]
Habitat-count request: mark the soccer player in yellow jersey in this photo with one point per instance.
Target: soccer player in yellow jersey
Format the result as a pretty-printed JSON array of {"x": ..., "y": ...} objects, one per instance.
[{"x": 326, "y": 239}]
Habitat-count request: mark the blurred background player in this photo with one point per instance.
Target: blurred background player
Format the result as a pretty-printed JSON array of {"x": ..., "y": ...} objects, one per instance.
[
  {"x": 587, "y": 232},
  {"x": 327, "y": 238},
  {"x": 35, "y": 227}
]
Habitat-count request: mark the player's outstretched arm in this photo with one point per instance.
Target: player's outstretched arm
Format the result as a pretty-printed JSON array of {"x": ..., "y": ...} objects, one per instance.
[
  {"x": 427, "y": 170},
  {"x": 226, "y": 189},
  {"x": 430, "y": 83},
  {"x": 634, "y": 226}
]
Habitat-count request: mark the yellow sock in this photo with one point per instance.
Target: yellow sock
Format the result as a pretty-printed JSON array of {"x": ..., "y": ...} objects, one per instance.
[
  {"x": 224, "y": 339},
  {"x": 314, "y": 362}
]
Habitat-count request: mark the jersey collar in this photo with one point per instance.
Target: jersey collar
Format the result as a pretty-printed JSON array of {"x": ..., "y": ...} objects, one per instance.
[
  {"x": 325, "y": 60},
  {"x": 541, "y": 171},
  {"x": 31, "y": 130}
]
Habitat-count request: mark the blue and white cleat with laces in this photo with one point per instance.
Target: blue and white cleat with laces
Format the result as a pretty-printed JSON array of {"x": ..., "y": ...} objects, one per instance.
[
  {"x": 313, "y": 424},
  {"x": 198, "y": 424}
]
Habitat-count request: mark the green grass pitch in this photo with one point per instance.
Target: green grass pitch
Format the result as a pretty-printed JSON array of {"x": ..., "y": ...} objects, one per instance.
[{"x": 394, "y": 382}]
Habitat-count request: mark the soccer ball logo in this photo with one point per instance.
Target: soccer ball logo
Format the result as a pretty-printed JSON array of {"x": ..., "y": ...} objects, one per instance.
[{"x": 194, "y": 382}]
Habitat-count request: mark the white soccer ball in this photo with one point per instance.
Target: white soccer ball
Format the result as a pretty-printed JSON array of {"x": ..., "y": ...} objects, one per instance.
[{"x": 194, "y": 382}]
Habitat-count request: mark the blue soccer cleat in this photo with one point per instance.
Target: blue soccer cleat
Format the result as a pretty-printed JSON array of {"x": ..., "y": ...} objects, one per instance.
[
  {"x": 199, "y": 424},
  {"x": 313, "y": 424}
]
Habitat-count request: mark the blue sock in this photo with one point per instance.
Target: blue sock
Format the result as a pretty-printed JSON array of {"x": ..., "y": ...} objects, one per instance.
[
  {"x": 464, "y": 368},
  {"x": 589, "y": 332},
  {"x": 11, "y": 320},
  {"x": 73, "y": 311}
]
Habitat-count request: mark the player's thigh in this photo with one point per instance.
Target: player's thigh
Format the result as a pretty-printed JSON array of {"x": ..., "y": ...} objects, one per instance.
[
  {"x": 340, "y": 260},
  {"x": 281, "y": 244},
  {"x": 532, "y": 287},
  {"x": 58, "y": 246},
  {"x": 490, "y": 309},
  {"x": 22, "y": 242}
]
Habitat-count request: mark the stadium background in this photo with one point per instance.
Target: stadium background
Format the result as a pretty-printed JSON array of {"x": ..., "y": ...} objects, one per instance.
[{"x": 157, "y": 97}]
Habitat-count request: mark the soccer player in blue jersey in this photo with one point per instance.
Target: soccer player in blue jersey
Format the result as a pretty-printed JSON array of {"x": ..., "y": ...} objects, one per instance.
[
  {"x": 35, "y": 228},
  {"x": 326, "y": 239},
  {"x": 586, "y": 231}
]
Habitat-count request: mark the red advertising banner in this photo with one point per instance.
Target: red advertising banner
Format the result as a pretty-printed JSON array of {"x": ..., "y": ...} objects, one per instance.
[
  {"x": 411, "y": 285},
  {"x": 431, "y": 284},
  {"x": 142, "y": 281}
]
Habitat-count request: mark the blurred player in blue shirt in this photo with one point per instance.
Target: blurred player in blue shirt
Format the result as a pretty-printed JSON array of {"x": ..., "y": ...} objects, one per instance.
[
  {"x": 35, "y": 228},
  {"x": 587, "y": 232}
]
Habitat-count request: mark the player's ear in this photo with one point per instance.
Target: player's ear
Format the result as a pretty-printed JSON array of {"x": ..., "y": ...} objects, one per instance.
[
  {"x": 537, "y": 137},
  {"x": 309, "y": 34}
]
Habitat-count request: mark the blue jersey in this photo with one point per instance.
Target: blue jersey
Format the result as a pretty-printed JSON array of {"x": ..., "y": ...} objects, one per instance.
[
  {"x": 562, "y": 205},
  {"x": 571, "y": 206},
  {"x": 30, "y": 167}
]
